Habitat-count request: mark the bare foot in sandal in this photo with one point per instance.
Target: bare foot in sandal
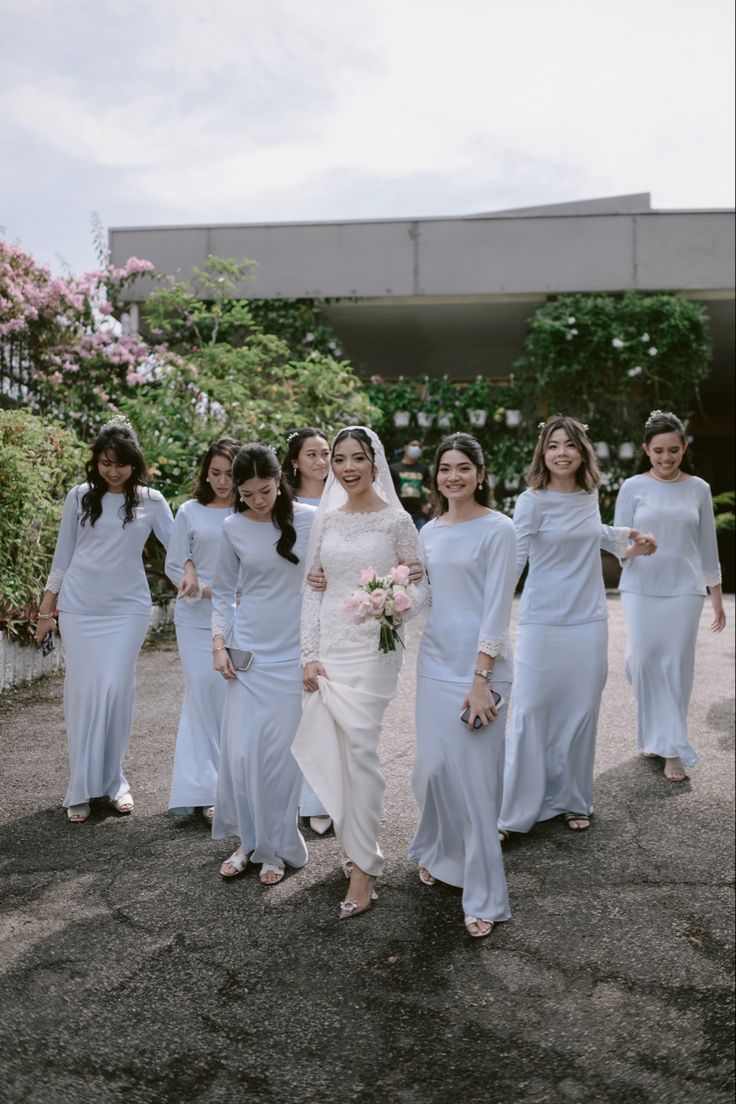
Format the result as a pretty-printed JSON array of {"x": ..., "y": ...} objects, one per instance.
[
  {"x": 270, "y": 875},
  {"x": 425, "y": 877},
  {"x": 674, "y": 771}
]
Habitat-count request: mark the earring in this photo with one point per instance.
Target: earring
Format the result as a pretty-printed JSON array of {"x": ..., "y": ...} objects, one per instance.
[
  {"x": 278, "y": 492},
  {"x": 480, "y": 486}
]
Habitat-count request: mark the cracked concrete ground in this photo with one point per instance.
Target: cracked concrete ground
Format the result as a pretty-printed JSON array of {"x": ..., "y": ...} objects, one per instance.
[{"x": 130, "y": 970}]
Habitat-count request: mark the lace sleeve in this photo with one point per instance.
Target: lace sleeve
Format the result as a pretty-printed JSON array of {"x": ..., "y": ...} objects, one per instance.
[
  {"x": 616, "y": 539},
  {"x": 224, "y": 587},
  {"x": 53, "y": 583},
  {"x": 498, "y": 591},
  {"x": 408, "y": 547},
  {"x": 311, "y": 606},
  {"x": 66, "y": 542}
]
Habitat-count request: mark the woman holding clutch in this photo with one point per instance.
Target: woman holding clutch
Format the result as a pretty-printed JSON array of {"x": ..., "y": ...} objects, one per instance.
[
  {"x": 464, "y": 669},
  {"x": 255, "y": 647}
]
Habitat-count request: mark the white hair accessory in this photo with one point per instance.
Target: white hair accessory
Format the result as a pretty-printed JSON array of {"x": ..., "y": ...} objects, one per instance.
[{"x": 119, "y": 422}]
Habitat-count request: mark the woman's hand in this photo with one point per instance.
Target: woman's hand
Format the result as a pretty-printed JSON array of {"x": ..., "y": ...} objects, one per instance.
[
  {"x": 481, "y": 703},
  {"x": 416, "y": 570},
  {"x": 719, "y": 614},
  {"x": 206, "y": 592},
  {"x": 310, "y": 675},
  {"x": 642, "y": 544},
  {"x": 317, "y": 579},
  {"x": 189, "y": 586},
  {"x": 221, "y": 660},
  {"x": 45, "y": 624}
]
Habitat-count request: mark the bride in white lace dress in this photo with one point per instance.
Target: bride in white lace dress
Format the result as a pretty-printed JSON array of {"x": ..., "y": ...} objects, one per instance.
[{"x": 360, "y": 524}]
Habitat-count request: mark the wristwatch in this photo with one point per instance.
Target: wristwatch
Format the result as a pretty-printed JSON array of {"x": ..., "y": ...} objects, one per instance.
[{"x": 487, "y": 675}]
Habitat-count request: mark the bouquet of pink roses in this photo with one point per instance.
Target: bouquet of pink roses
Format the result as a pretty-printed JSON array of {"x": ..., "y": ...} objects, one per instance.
[{"x": 385, "y": 598}]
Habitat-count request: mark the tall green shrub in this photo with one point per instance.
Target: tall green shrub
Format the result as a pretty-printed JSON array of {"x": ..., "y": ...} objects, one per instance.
[{"x": 39, "y": 462}]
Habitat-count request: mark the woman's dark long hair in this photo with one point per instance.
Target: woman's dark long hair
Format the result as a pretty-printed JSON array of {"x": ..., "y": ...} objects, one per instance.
[
  {"x": 467, "y": 444},
  {"x": 261, "y": 462},
  {"x": 664, "y": 421},
  {"x": 225, "y": 447},
  {"x": 588, "y": 475},
  {"x": 119, "y": 440},
  {"x": 294, "y": 442}
]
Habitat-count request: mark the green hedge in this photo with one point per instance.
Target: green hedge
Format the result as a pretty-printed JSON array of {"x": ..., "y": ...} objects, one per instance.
[{"x": 39, "y": 462}]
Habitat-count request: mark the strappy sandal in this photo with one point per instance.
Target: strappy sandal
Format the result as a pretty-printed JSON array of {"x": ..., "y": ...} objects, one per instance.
[
  {"x": 124, "y": 804},
  {"x": 347, "y": 867},
  {"x": 349, "y": 909},
  {"x": 267, "y": 869},
  {"x": 477, "y": 921},
  {"x": 569, "y": 817},
  {"x": 77, "y": 814},
  {"x": 425, "y": 877},
  {"x": 208, "y": 811},
  {"x": 238, "y": 860}
]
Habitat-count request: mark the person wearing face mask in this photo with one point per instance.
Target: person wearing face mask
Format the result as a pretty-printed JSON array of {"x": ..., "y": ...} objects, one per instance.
[{"x": 410, "y": 476}]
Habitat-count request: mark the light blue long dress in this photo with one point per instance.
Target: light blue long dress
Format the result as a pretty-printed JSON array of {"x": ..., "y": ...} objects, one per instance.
[
  {"x": 104, "y": 604},
  {"x": 196, "y": 537},
  {"x": 258, "y": 782},
  {"x": 458, "y": 773},
  {"x": 662, "y": 599},
  {"x": 561, "y": 656},
  {"x": 309, "y": 804}
]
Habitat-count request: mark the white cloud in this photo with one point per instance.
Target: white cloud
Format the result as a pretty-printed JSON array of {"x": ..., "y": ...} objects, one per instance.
[{"x": 291, "y": 110}]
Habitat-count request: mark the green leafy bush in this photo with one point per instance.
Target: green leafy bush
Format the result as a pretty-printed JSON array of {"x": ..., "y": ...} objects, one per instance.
[{"x": 39, "y": 462}]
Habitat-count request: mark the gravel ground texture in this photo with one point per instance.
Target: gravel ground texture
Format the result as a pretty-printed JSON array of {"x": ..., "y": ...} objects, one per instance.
[{"x": 129, "y": 970}]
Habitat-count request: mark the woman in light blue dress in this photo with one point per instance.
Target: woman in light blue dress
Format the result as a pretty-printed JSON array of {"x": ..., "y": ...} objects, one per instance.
[
  {"x": 662, "y": 601},
  {"x": 464, "y": 655},
  {"x": 262, "y": 553},
  {"x": 190, "y": 564},
  {"x": 306, "y": 466},
  {"x": 562, "y": 637},
  {"x": 99, "y": 586}
]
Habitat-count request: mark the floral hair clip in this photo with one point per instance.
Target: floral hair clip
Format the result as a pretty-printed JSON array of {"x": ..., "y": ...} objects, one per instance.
[
  {"x": 291, "y": 436},
  {"x": 541, "y": 425},
  {"x": 653, "y": 415},
  {"x": 585, "y": 426}
]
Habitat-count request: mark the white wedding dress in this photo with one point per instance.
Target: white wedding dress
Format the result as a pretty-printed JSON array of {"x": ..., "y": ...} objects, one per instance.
[{"x": 336, "y": 744}]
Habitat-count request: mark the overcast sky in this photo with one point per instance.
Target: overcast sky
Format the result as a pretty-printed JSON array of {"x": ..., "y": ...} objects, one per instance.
[{"x": 176, "y": 111}]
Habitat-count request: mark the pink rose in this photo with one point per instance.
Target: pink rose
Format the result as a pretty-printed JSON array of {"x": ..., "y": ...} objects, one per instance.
[
  {"x": 400, "y": 574},
  {"x": 378, "y": 600},
  {"x": 402, "y": 601},
  {"x": 368, "y": 575}
]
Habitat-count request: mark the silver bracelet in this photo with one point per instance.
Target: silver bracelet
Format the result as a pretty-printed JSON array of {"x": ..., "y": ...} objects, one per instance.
[{"x": 487, "y": 675}]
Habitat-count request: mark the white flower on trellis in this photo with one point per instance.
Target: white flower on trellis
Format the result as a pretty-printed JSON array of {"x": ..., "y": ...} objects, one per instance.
[
  {"x": 637, "y": 371},
  {"x": 617, "y": 343},
  {"x": 571, "y": 320},
  {"x": 652, "y": 350},
  {"x": 645, "y": 338}
]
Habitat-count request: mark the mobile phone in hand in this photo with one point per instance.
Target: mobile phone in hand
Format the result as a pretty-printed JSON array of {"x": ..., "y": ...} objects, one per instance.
[
  {"x": 47, "y": 644},
  {"x": 498, "y": 701}
]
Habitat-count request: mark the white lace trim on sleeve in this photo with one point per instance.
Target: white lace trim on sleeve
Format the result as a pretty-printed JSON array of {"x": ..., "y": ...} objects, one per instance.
[
  {"x": 53, "y": 583},
  {"x": 219, "y": 628},
  {"x": 713, "y": 579},
  {"x": 310, "y": 627},
  {"x": 494, "y": 647}
]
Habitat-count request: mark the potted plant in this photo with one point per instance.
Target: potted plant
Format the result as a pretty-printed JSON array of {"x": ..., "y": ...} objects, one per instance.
[
  {"x": 475, "y": 398},
  {"x": 402, "y": 401},
  {"x": 443, "y": 398}
]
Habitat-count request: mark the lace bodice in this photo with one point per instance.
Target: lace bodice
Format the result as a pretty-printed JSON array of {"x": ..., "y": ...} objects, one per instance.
[{"x": 350, "y": 543}]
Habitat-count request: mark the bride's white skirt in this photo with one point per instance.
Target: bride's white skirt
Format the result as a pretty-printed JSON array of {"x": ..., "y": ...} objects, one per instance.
[{"x": 336, "y": 746}]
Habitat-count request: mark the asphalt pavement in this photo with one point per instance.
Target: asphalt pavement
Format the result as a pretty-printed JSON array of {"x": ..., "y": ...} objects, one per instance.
[{"x": 130, "y": 971}]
